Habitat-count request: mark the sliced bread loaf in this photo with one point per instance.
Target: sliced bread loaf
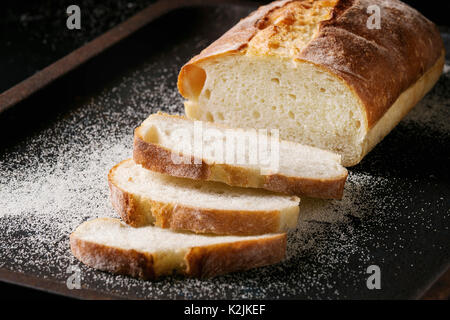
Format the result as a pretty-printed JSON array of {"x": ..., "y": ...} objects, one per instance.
[
  {"x": 145, "y": 197},
  {"x": 149, "y": 252},
  {"x": 322, "y": 71},
  {"x": 181, "y": 147}
]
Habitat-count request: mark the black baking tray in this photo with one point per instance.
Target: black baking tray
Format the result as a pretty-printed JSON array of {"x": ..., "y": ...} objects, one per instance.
[
  {"x": 58, "y": 145},
  {"x": 33, "y": 33}
]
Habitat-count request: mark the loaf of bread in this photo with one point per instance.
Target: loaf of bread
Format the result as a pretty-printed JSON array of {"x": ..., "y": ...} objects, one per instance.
[
  {"x": 150, "y": 252},
  {"x": 144, "y": 197},
  {"x": 296, "y": 169},
  {"x": 324, "y": 72}
]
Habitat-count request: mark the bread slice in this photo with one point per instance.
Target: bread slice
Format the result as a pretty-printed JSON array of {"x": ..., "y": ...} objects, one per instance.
[
  {"x": 321, "y": 71},
  {"x": 144, "y": 197},
  {"x": 160, "y": 144},
  {"x": 149, "y": 252}
]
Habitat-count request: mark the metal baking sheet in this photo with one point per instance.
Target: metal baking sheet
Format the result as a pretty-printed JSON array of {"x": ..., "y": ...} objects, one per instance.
[
  {"x": 40, "y": 28},
  {"x": 57, "y": 147}
]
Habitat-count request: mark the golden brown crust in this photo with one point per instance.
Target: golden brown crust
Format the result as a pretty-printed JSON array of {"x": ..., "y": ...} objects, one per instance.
[
  {"x": 233, "y": 40},
  {"x": 157, "y": 158},
  {"x": 203, "y": 261},
  {"x": 115, "y": 260},
  {"x": 130, "y": 209},
  {"x": 377, "y": 64},
  {"x": 219, "y": 259},
  {"x": 324, "y": 188},
  {"x": 140, "y": 211},
  {"x": 218, "y": 221},
  {"x": 405, "y": 102}
]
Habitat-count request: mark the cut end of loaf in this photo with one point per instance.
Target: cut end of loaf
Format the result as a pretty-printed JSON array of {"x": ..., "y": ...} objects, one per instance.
[
  {"x": 306, "y": 103},
  {"x": 316, "y": 71},
  {"x": 265, "y": 85}
]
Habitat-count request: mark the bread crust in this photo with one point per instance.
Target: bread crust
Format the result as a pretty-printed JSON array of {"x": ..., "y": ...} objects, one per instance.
[
  {"x": 209, "y": 261},
  {"x": 405, "y": 102},
  {"x": 323, "y": 188},
  {"x": 376, "y": 64},
  {"x": 233, "y": 41},
  {"x": 157, "y": 158},
  {"x": 202, "y": 261},
  {"x": 115, "y": 260},
  {"x": 138, "y": 211}
]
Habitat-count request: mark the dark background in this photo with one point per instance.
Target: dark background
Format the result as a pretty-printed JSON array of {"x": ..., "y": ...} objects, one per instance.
[{"x": 33, "y": 35}]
